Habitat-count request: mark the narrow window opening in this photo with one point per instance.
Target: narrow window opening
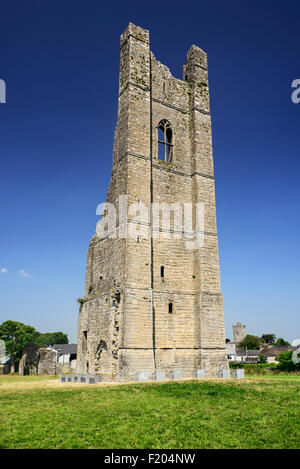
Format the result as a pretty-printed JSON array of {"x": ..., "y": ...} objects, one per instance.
[
  {"x": 170, "y": 308},
  {"x": 162, "y": 271},
  {"x": 165, "y": 143},
  {"x": 84, "y": 341}
]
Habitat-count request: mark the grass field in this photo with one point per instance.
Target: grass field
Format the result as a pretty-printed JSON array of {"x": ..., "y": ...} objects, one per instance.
[{"x": 259, "y": 412}]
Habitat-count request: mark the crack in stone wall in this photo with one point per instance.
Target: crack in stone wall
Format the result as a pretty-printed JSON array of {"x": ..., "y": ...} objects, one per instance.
[{"x": 116, "y": 299}]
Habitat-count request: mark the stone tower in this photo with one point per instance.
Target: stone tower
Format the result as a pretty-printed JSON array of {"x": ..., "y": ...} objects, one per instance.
[
  {"x": 239, "y": 332},
  {"x": 151, "y": 302}
]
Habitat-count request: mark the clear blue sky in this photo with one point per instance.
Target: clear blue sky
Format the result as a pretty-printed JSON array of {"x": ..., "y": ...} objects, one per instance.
[{"x": 60, "y": 62}]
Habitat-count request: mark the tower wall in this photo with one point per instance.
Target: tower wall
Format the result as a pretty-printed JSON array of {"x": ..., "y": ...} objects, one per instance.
[
  {"x": 125, "y": 325},
  {"x": 239, "y": 332}
]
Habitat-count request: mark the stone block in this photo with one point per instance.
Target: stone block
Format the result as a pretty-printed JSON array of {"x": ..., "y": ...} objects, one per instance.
[
  {"x": 238, "y": 373},
  {"x": 176, "y": 374},
  {"x": 65, "y": 378},
  {"x": 76, "y": 378},
  {"x": 141, "y": 376},
  {"x": 225, "y": 373},
  {"x": 92, "y": 379},
  {"x": 159, "y": 375},
  {"x": 199, "y": 373},
  {"x": 79, "y": 378}
]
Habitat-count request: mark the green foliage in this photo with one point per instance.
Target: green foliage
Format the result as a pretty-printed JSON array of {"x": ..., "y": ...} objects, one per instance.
[
  {"x": 262, "y": 359},
  {"x": 251, "y": 342},
  {"x": 50, "y": 338},
  {"x": 280, "y": 342},
  {"x": 16, "y": 335},
  {"x": 286, "y": 363},
  {"x": 82, "y": 300},
  {"x": 248, "y": 365},
  {"x": 254, "y": 413},
  {"x": 255, "y": 368},
  {"x": 268, "y": 338}
]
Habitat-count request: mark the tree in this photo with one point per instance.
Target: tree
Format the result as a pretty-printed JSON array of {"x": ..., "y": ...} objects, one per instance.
[
  {"x": 16, "y": 335},
  {"x": 251, "y": 342},
  {"x": 286, "y": 362},
  {"x": 50, "y": 338},
  {"x": 262, "y": 359},
  {"x": 268, "y": 338},
  {"x": 280, "y": 342}
]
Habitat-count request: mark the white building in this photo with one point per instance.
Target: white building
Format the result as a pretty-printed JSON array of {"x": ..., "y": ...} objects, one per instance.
[{"x": 66, "y": 354}]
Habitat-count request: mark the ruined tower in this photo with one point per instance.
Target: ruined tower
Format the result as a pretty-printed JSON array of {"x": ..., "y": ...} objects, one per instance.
[
  {"x": 239, "y": 332},
  {"x": 151, "y": 301}
]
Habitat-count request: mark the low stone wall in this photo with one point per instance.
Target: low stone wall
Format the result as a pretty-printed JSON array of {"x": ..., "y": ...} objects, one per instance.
[
  {"x": 29, "y": 361},
  {"x": 143, "y": 376},
  {"x": 46, "y": 362},
  {"x": 5, "y": 369}
]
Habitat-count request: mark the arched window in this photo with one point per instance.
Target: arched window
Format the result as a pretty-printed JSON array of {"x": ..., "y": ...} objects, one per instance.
[
  {"x": 162, "y": 271},
  {"x": 164, "y": 138}
]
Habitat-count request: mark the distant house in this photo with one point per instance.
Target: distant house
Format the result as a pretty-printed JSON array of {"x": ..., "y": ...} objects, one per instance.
[
  {"x": 273, "y": 351},
  {"x": 66, "y": 355},
  {"x": 231, "y": 351},
  {"x": 247, "y": 356}
]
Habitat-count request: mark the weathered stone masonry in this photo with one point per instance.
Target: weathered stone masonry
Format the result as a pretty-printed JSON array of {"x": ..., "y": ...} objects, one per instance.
[{"x": 127, "y": 325}]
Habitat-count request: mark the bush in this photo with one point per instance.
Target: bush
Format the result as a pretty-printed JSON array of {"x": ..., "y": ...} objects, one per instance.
[
  {"x": 82, "y": 300},
  {"x": 255, "y": 368},
  {"x": 252, "y": 342},
  {"x": 286, "y": 363}
]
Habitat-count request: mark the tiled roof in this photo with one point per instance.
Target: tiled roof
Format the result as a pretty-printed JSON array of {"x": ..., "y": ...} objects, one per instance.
[
  {"x": 247, "y": 353},
  {"x": 65, "y": 349},
  {"x": 274, "y": 351}
]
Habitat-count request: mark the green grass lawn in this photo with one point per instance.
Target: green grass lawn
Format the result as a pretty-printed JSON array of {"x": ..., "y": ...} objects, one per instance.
[
  {"x": 260, "y": 412},
  {"x": 17, "y": 379}
]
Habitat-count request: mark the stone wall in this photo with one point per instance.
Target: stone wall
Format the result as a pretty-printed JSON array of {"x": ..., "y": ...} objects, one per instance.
[
  {"x": 125, "y": 325},
  {"x": 46, "y": 361},
  {"x": 5, "y": 369},
  {"x": 29, "y": 362}
]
